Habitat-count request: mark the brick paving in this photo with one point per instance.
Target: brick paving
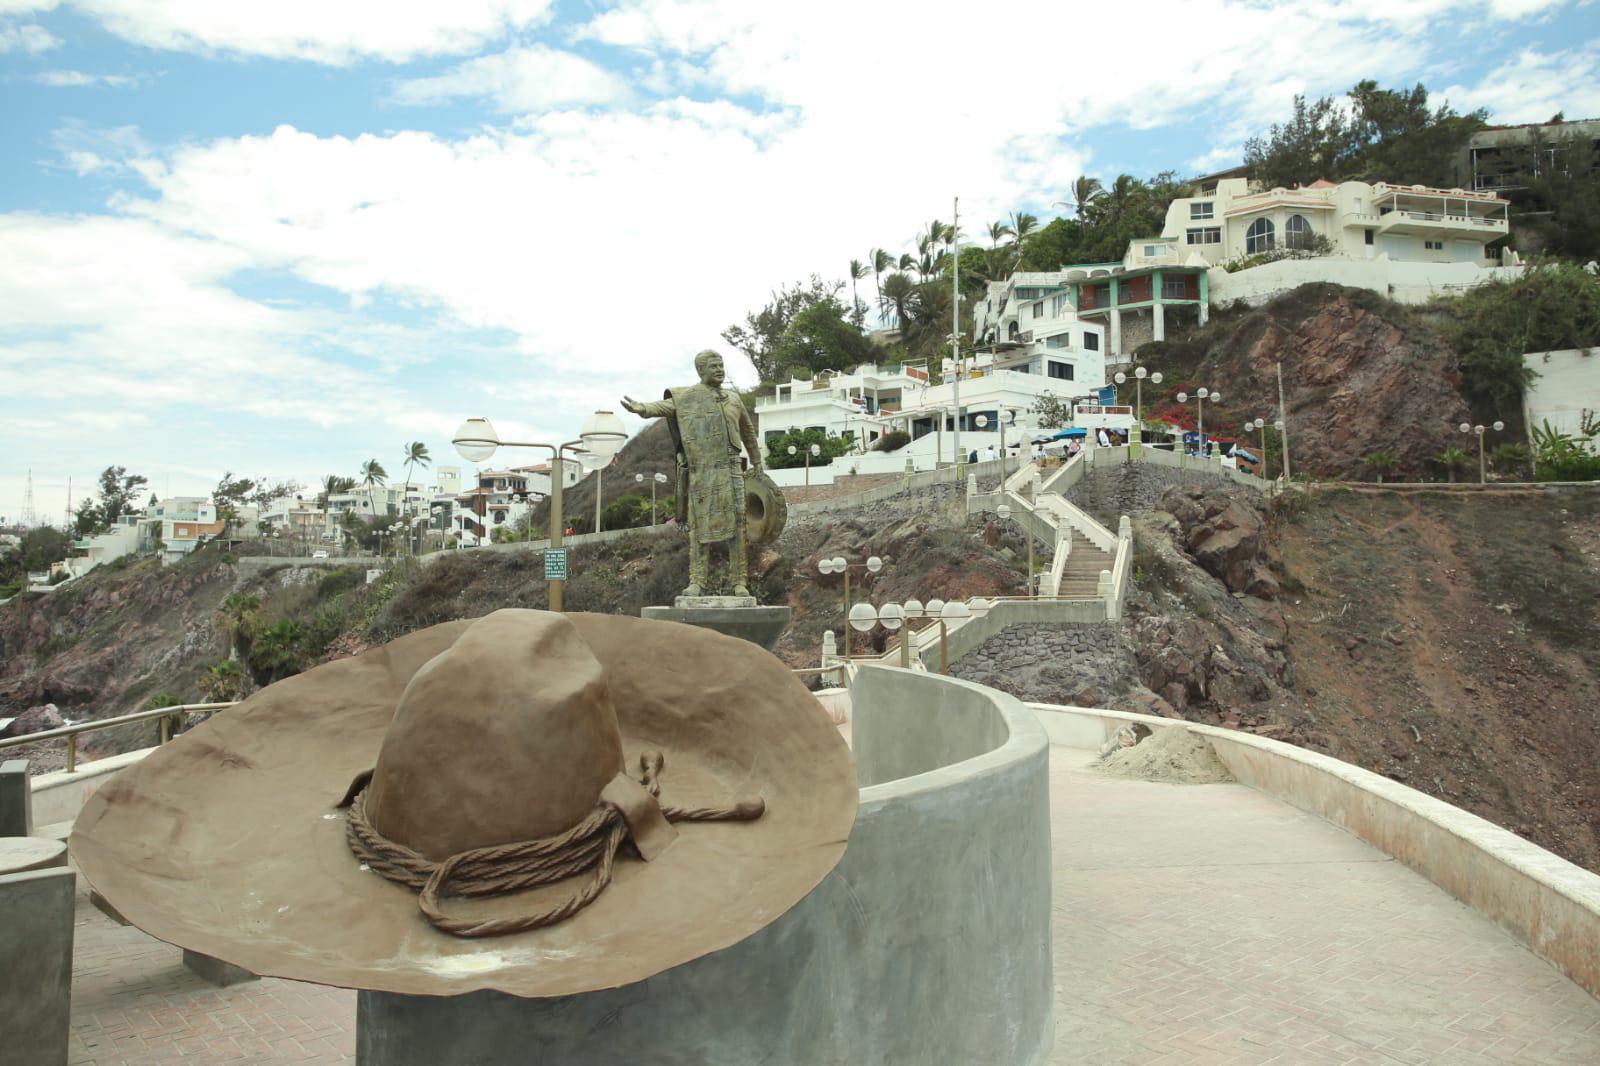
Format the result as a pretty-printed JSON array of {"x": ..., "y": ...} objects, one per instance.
[
  {"x": 1193, "y": 924},
  {"x": 134, "y": 1003}
]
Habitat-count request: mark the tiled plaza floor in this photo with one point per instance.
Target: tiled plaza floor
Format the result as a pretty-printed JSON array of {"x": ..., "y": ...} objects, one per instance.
[
  {"x": 1213, "y": 924},
  {"x": 1194, "y": 924}
]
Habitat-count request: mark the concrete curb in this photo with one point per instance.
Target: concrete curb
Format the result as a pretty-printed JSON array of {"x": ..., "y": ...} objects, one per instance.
[{"x": 1550, "y": 904}]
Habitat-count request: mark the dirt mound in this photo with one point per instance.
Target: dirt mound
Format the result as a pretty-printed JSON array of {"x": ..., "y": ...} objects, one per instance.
[
  {"x": 1360, "y": 374},
  {"x": 1174, "y": 756}
]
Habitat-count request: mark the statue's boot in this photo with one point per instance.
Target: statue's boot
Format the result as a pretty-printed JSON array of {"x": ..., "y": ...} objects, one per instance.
[
  {"x": 699, "y": 566},
  {"x": 738, "y": 566}
]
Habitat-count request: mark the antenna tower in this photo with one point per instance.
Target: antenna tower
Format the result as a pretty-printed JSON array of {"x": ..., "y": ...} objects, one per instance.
[{"x": 29, "y": 520}]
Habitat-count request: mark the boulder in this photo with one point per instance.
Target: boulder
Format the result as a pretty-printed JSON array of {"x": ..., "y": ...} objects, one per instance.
[{"x": 34, "y": 720}]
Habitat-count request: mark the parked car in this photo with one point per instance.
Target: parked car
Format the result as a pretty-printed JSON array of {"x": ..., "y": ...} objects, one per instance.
[{"x": 320, "y": 553}]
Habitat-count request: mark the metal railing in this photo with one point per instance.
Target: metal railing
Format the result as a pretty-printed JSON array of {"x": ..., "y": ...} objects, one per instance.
[{"x": 167, "y": 715}]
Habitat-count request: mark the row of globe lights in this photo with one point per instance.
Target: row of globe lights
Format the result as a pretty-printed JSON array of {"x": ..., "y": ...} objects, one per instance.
[
  {"x": 892, "y": 616},
  {"x": 1477, "y": 430}
]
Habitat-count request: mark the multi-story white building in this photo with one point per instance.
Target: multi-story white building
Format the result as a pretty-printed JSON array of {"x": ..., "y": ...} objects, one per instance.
[
  {"x": 996, "y": 387},
  {"x": 182, "y": 523},
  {"x": 1410, "y": 223},
  {"x": 500, "y": 498},
  {"x": 1035, "y": 328}
]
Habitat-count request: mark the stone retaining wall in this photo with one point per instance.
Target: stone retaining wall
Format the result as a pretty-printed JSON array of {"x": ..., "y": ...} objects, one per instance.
[{"x": 1083, "y": 663}]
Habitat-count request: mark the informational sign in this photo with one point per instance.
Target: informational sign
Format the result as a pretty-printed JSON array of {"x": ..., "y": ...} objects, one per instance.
[{"x": 555, "y": 564}]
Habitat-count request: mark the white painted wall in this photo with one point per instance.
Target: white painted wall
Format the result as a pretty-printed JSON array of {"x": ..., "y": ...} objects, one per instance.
[
  {"x": 1568, "y": 384},
  {"x": 1405, "y": 282}
]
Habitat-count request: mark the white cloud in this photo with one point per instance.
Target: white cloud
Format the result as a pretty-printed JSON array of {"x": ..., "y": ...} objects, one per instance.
[
  {"x": 77, "y": 79},
  {"x": 26, "y": 7},
  {"x": 27, "y": 38},
  {"x": 1531, "y": 86},
  {"x": 337, "y": 32},
  {"x": 534, "y": 78}
]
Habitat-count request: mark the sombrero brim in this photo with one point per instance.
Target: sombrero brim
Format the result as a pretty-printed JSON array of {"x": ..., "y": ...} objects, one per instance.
[{"x": 226, "y": 842}]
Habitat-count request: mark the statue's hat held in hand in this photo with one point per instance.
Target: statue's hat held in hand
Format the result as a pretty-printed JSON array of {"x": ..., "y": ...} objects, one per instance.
[{"x": 537, "y": 803}]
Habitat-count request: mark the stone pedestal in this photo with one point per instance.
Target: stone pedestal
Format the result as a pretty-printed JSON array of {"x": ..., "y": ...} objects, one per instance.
[
  {"x": 16, "y": 799},
  {"x": 222, "y": 974},
  {"x": 35, "y": 966},
  {"x": 734, "y": 616}
]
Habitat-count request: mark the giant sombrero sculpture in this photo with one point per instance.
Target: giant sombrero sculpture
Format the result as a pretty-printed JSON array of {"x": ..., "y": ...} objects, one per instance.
[{"x": 667, "y": 791}]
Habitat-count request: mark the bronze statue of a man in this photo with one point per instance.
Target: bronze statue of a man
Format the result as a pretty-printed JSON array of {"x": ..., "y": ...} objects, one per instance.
[{"x": 709, "y": 423}]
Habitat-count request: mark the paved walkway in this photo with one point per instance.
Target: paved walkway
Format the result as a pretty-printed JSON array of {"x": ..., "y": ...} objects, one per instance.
[
  {"x": 1194, "y": 924},
  {"x": 1213, "y": 924}
]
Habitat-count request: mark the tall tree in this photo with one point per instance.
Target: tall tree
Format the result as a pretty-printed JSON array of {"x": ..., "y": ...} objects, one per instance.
[
  {"x": 416, "y": 454},
  {"x": 1085, "y": 191},
  {"x": 882, "y": 262},
  {"x": 1022, "y": 225},
  {"x": 372, "y": 475},
  {"x": 229, "y": 495},
  {"x": 333, "y": 485},
  {"x": 760, "y": 331},
  {"x": 117, "y": 490},
  {"x": 858, "y": 270}
]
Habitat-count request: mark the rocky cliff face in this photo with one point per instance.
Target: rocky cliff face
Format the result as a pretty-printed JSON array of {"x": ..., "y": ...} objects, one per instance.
[{"x": 1360, "y": 375}]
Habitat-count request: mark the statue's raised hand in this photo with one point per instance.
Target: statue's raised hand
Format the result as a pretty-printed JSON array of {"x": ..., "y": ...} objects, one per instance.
[{"x": 631, "y": 405}]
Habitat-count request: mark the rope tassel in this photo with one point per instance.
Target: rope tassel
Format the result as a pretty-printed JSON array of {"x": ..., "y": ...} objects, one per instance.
[{"x": 589, "y": 847}]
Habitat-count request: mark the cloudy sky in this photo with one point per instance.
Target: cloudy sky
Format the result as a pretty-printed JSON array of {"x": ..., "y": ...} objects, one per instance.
[{"x": 281, "y": 238}]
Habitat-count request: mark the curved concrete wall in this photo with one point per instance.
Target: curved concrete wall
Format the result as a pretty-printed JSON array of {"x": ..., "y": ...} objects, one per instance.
[
  {"x": 930, "y": 942},
  {"x": 1548, "y": 903}
]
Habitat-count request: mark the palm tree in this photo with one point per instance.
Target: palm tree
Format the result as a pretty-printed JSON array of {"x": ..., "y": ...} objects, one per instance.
[
  {"x": 236, "y": 620},
  {"x": 1121, "y": 194},
  {"x": 900, "y": 294},
  {"x": 858, "y": 270},
  {"x": 998, "y": 230},
  {"x": 1021, "y": 225},
  {"x": 223, "y": 681},
  {"x": 881, "y": 261},
  {"x": 1451, "y": 458},
  {"x": 416, "y": 455},
  {"x": 373, "y": 473},
  {"x": 906, "y": 262},
  {"x": 1381, "y": 463},
  {"x": 1085, "y": 191},
  {"x": 332, "y": 485}
]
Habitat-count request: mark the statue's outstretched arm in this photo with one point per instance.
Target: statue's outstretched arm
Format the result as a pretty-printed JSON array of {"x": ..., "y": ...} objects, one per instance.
[{"x": 657, "y": 409}]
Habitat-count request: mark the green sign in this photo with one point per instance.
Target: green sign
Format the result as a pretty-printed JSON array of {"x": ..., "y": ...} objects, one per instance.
[{"x": 555, "y": 564}]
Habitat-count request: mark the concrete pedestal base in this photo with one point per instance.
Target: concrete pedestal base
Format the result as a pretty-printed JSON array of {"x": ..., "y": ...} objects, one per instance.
[
  {"x": 222, "y": 974},
  {"x": 16, "y": 799},
  {"x": 759, "y": 625},
  {"x": 35, "y": 966}
]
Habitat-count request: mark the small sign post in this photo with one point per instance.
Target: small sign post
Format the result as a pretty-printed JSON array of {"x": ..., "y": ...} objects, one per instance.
[{"x": 555, "y": 564}]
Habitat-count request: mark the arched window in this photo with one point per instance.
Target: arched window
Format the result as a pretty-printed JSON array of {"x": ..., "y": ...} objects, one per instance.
[
  {"x": 1260, "y": 237},
  {"x": 1297, "y": 232}
]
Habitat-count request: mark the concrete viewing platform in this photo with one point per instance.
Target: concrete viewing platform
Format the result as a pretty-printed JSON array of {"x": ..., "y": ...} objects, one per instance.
[{"x": 1192, "y": 924}]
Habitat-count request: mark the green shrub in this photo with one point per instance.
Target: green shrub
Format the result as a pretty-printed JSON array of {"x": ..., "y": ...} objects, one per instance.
[
  {"x": 278, "y": 651},
  {"x": 892, "y": 441}
]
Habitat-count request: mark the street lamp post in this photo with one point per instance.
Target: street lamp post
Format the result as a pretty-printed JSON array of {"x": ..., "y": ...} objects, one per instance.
[
  {"x": 655, "y": 479},
  {"x": 949, "y": 612},
  {"x": 1008, "y": 418},
  {"x": 1477, "y": 430},
  {"x": 811, "y": 452},
  {"x": 1139, "y": 374},
  {"x": 1004, "y": 511},
  {"x": 1201, "y": 395},
  {"x": 839, "y": 565},
  {"x": 602, "y": 434},
  {"x": 1260, "y": 424}
]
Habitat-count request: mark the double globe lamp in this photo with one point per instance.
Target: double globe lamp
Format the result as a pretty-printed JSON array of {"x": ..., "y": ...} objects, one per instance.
[{"x": 601, "y": 437}]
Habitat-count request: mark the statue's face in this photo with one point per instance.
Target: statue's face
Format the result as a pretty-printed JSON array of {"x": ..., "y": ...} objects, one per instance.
[{"x": 711, "y": 371}]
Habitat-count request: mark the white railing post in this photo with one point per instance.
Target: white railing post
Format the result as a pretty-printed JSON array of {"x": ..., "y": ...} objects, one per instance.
[
  {"x": 830, "y": 647},
  {"x": 972, "y": 484}
]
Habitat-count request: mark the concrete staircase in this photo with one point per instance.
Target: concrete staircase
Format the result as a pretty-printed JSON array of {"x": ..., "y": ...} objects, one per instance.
[{"x": 1080, "y": 578}]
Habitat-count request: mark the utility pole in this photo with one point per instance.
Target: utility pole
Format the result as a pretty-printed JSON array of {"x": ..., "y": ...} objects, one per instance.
[
  {"x": 68, "y": 525},
  {"x": 1283, "y": 424},
  {"x": 29, "y": 519},
  {"x": 955, "y": 327}
]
